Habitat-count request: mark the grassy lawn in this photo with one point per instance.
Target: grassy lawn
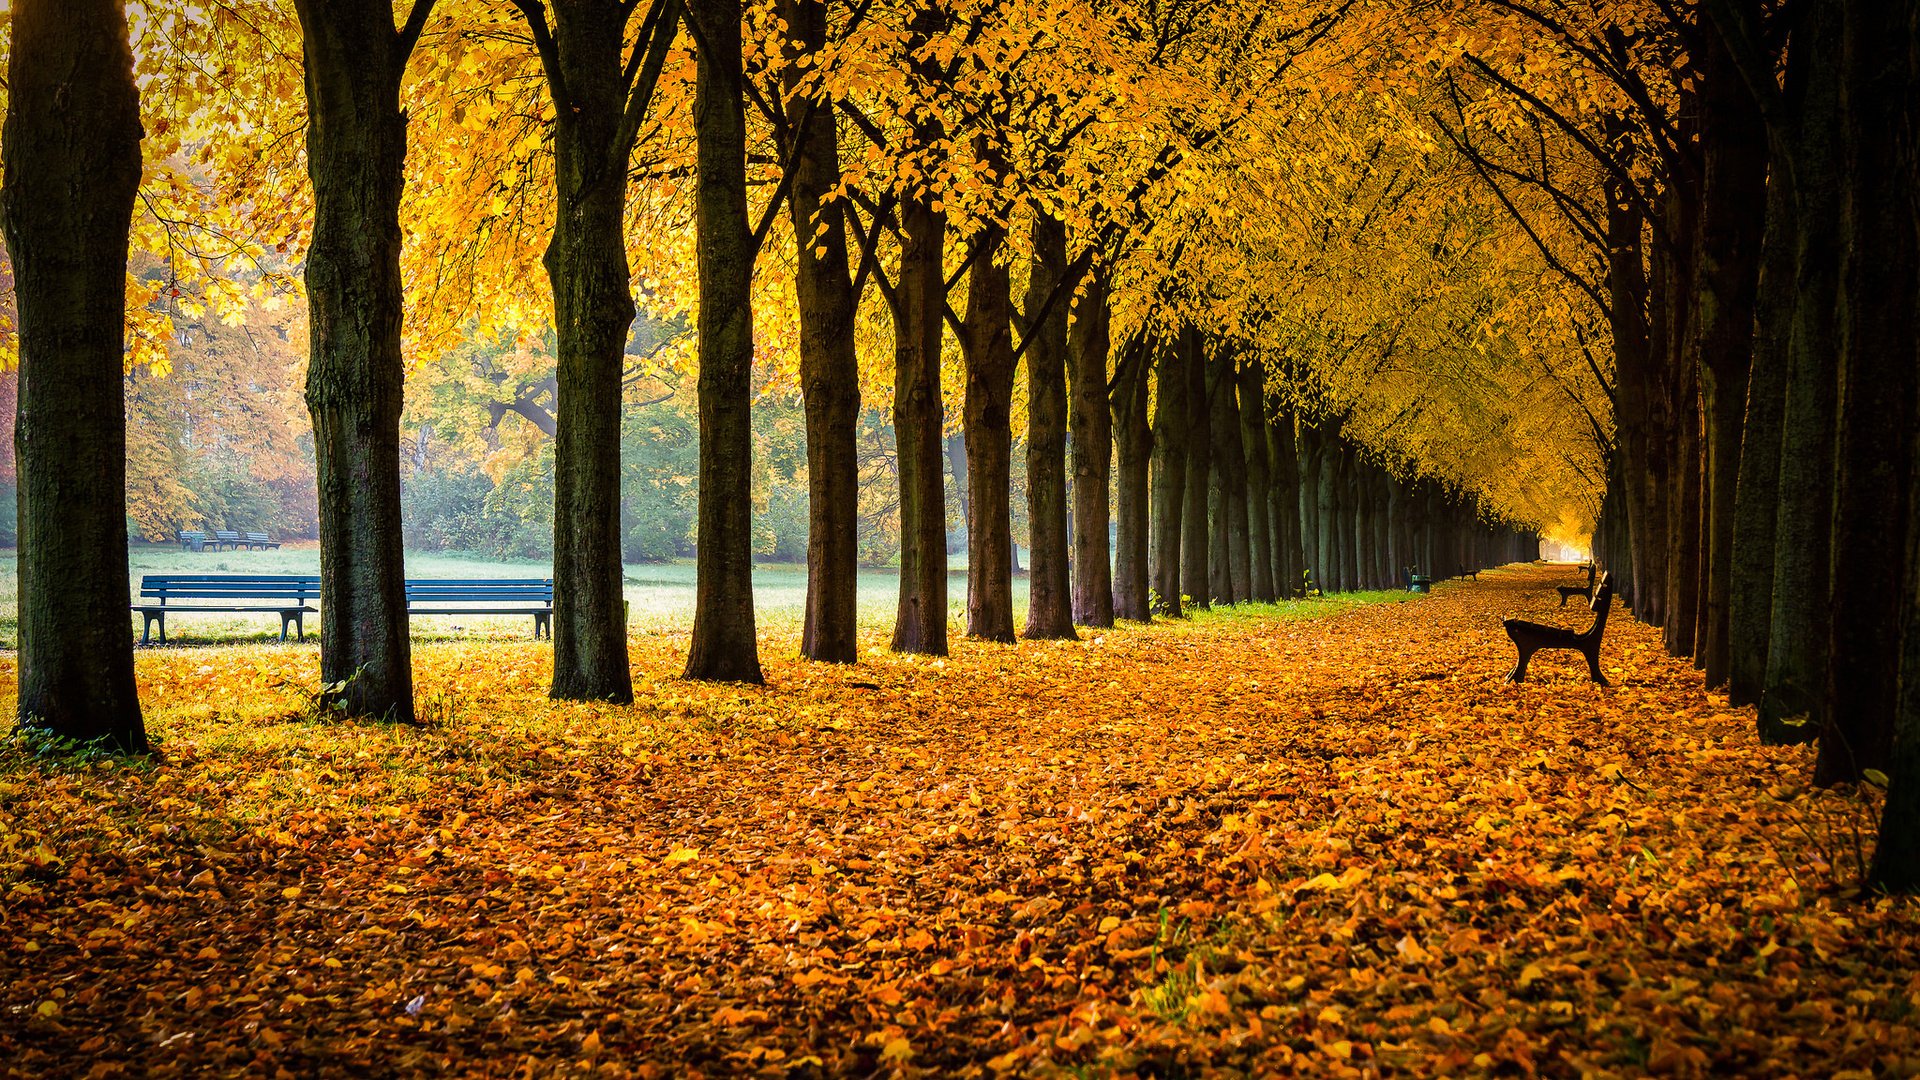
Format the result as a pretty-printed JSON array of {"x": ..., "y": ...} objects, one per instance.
[{"x": 660, "y": 595}]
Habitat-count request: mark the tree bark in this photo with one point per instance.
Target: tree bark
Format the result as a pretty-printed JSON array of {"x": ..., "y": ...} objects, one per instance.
[
  {"x": 724, "y": 646},
  {"x": 1092, "y": 426},
  {"x": 920, "y": 623},
  {"x": 72, "y": 170},
  {"x": 1896, "y": 857},
  {"x": 1049, "y": 592},
  {"x": 1284, "y": 497},
  {"x": 829, "y": 368},
  {"x": 988, "y": 422},
  {"x": 356, "y": 157},
  {"x": 1253, "y": 436},
  {"x": 1308, "y": 448},
  {"x": 1169, "y": 476},
  {"x": 1731, "y": 226},
  {"x": 586, "y": 262},
  {"x": 1230, "y": 469},
  {"x": 1791, "y": 699},
  {"x": 1873, "y": 477},
  {"x": 1195, "y": 541},
  {"x": 1133, "y": 445},
  {"x": 1757, "y": 495}
]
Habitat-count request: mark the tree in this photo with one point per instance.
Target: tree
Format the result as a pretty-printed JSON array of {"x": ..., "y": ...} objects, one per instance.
[
  {"x": 600, "y": 97},
  {"x": 71, "y": 172},
  {"x": 724, "y": 646},
  {"x": 1050, "y": 598},
  {"x": 356, "y": 157},
  {"x": 829, "y": 367}
]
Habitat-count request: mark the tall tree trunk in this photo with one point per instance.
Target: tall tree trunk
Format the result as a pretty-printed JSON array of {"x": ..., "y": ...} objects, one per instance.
[
  {"x": 1873, "y": 478},
  {"x": 920, "y": 624},
  {"x": 1195, "y": 540},
  {"x": 1791, "y": 699},
  {"x": 1133, "y": 443},
  {"x": 1757, "y": 496},
  {"x": 1253, "y": 436},
  {"x": 586, "y": 263},
  {"x": 356, "y": 157},
  {"x": 1049, "y": 591},
  {"x": 829, "y": 368},
  {"x": 1308, "y": 447},
  {"x": 1230, "y": 468},
  {"x": 72, "y": 169},
  {"x": 1284, "y": 497},
  {"x": 1092, "y": 426},
  {"x": 988, "y": 422},
  {"x": 724, "y": 647},
  {"x": 1169, "y": 475},
  {"x": 1731, "y": 226},
  {"x": 1896, "y": 858},
  {"x": 1327, "y": 490}
]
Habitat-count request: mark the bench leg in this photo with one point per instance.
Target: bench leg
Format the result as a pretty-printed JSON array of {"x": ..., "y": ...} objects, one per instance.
[
  {"x": 543, "y": 621},
  {"x": 1519, "y": 672},
  {"x": 161, "y": 618},
  {"x": 1593, "y": 664}
]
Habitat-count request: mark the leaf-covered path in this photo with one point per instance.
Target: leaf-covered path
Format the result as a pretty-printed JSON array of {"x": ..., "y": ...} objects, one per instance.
[{"x": 1334, "y": 845}]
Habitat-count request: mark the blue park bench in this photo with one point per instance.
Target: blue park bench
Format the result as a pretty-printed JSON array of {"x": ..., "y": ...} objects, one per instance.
[
  {"x": 289, "y": 596},
  {"x": 484, "y": 596}
]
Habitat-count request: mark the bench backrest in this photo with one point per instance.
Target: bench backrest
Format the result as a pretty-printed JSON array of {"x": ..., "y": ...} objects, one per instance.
[
  {"x": 226, "y": 534},
  {"x": 1602, "y": 603},
  {"x": 165, "y": 587},
  {"x": 258, "y": 536},
  {"x": 190, "y": 534},
  {"x": 536, "y": 591}
]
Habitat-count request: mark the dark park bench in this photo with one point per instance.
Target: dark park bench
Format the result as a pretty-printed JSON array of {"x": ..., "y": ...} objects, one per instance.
[
  {"x": 1418, "y": 582},
  {"x": 260, "y": 541},
  {"x": 287, "y": 595},
  {"x": 1531, "y": 637},
  {"x": 484, "y": 596},
  {"x": 227, "y": 540},
  {"x": 290, "y": 594},
  {"x": 1584, "y": 592},
  {"x": 1466, "y": 573},
  {"x": 191, "y": 540}
]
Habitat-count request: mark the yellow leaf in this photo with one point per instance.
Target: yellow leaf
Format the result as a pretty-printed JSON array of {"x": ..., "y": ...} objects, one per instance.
[
  {"x": 1531, "y": 974},
  {"x": 291, "y": 892},
  {"x": 682, "y": 855},
  {"x": 898, "y": 1049}
]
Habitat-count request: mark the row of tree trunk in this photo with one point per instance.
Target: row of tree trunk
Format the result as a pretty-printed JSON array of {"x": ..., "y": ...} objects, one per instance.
[{"x": 1761, "y": 507}]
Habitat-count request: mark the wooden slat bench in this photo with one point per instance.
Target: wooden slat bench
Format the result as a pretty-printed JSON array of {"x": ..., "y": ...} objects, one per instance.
[
  {"x": 1584, "y": 592},
  {"x": 287, "y": 595},
  {"x": 1531, "y": 637},
  {"x": 191, "y": 540},
  {"x": 260, "y": 541},
  {"x": 227, "y": 540},
  {"x": 484, "y": 596}
]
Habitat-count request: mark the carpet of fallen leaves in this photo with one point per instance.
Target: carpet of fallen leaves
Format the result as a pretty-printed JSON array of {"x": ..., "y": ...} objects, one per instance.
[{"x": 1337, "y": 845}]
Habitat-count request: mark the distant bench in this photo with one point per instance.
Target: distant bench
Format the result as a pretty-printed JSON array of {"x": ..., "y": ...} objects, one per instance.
[
  {"x": 225, "y": 540},
  {"x": 1584, "y": 592},
  {"x": 289, "y": 596},
  {"x": 1531, "y": 637}
]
